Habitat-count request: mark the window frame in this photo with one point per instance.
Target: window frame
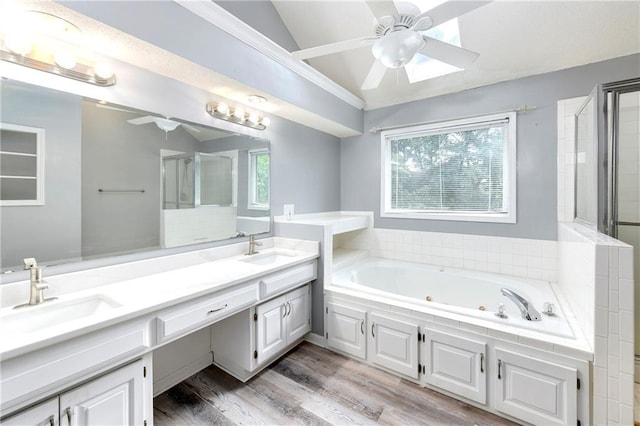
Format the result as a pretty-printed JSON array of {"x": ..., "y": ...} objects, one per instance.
[
  {"x": 509, "y": 170},
  {"x": 251, "y": 200}
]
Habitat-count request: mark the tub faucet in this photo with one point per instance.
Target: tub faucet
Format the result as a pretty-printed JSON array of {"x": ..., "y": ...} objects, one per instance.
[
  {"x": 36, "y": 284},
  {"x": 252, "y": 245},
  {"x": 526, "y": 309}
]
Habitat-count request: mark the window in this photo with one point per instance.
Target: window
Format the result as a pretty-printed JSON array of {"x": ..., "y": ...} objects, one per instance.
[
  {"x": 455, "y": 170},
  {"x": 259, "y": 179}
]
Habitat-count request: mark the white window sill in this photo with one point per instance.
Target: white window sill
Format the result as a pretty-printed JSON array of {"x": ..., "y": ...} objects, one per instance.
[{"x": 493, "y": 218}]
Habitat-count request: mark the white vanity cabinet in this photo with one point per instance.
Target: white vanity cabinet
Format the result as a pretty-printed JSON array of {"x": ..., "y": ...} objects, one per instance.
[
  {"x": 113, "y": 399},
  {"x": 535, "y": 390},
  {"x": 244, "y": 343},
  {"x": 456, "y": 364},
  {"x": 116, "y": 398},
  {"x": 346, "y": 329},
  {"x": 282, "y": 321},
  {"x": 389, "y": 342},
  {"x": 393, "y": 344}
]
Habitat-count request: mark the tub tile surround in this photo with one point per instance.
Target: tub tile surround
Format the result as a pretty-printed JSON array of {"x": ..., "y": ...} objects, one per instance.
[
  {"x": 536, "y": 257},
  {"x": 525, "y": 258},
  {"x": 595, "y": 274}
]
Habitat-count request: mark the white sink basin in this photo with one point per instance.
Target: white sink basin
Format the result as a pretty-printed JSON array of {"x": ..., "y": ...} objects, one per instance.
[
  {"x": 268, "y": 258},
  {"x": 50, "y": 314}
]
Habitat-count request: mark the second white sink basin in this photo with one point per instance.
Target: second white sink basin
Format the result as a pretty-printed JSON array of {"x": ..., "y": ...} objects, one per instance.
[
  {"x": 268, "y": 258},
  {"x": 50, "y": 314}
]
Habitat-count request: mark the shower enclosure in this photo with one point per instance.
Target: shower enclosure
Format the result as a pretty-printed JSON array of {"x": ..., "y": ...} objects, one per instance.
[
  {"x": 608, "y": 189},
  {"x": 622, "y": 126}
]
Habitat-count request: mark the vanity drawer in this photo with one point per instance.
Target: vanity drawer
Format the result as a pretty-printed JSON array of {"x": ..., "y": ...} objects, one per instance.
[
  {"x": 281, "y": 281},
  {"x": 177, "y": 321}
]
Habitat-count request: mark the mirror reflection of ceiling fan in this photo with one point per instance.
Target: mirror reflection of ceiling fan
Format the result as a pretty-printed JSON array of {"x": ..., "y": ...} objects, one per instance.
[
  {"x": 165, "y": 124},
  {"x": 398, "y": 37}
]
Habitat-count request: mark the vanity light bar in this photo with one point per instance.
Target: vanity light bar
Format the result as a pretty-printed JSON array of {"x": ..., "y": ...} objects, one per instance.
[
  {"x": 80, "y": 72},
  {"x": 237, "y": 115}
]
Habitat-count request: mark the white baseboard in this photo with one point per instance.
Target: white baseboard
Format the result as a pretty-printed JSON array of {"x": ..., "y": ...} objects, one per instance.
[
  {"x": 316, "y": 339},
  {"x": 181, "y": 374}
]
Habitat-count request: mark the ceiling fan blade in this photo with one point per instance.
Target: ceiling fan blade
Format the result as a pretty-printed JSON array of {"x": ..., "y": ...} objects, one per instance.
[
  {"x": 190, "y": 127},
  {"x": 381, "y": 8},
  {"x": 445, "y": 52},
  {"x": 115, "y": 108},
  {"x": 421, "y": 23},
  {"x": 452, "y": 9},
  {"x": 142, "y": 120},
  {"x": 376, "y": 73},
  {"x": 327, "y": 49}
]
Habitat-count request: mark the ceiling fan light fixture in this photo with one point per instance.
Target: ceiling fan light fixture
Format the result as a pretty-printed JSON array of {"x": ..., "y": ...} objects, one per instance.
[
  {"x": 165, "y": 124},
  {"x": 397, "y": 48}
]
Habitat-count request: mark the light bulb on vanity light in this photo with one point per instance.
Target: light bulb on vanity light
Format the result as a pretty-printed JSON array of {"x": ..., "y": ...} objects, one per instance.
[
  {"x": 265, "y": 121},
  {"x": 18, "y": 42},
  {"x": 103, "y": 70},
  {"x": 253, "y": 118},
  {"x": 65, "y": 59},
  {"x": 222, "y": 108},
  {"x": 238, "y": 113}
]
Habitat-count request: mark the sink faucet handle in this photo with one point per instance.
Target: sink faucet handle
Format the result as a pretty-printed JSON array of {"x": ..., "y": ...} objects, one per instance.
[{"x": 30, "y": 262}]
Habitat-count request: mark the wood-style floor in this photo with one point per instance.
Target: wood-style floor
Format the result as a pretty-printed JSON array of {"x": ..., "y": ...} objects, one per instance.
[{"x": 311, "y": 385}]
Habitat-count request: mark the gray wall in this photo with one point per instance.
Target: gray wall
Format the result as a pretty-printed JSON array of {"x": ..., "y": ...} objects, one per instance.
[
  {"x": 536, "y": 150},
  {"x": 179, "y": 31},
  {"x": 119, "y": 155},
  {"x": 51, "y": 231}
]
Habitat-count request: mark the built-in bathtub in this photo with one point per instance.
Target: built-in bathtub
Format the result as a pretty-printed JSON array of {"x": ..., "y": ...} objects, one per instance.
[{"x": 464, "y": 292}]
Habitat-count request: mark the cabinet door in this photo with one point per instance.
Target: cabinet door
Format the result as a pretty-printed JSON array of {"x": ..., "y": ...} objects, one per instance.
[
  {"x": 45, "y": 414},
  {"x": 535, "y": 391},
  {"x": 298, "y": 313},
  {"x": 113, "y": 399},
  {"x": 456, "y": 364},
  {"x": 346, "y": 329},
  {"x": 271, "y": 333},
  {"x": 393, "y": 344}
]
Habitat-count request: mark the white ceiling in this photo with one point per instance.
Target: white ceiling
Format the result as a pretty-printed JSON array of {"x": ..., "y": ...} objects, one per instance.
[{"x": 514, "y": 39}]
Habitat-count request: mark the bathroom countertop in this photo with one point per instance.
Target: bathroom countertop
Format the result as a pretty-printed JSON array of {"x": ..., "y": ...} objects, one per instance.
[{"x": 134, "y": 298}]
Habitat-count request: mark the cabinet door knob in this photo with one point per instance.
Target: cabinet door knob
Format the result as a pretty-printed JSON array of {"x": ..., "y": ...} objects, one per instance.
[
  {"x": 284, "y": 310},
  {"x": 52, "y": 421},
  {"x": 482, "y": 362},
  {"x": 69, "y": 413},
  {"x": 499, "y": 368},
  {"x": 362, "y": 326},
  {"x": 372, "y": 327},
  {"x": 288, "y": 308}
]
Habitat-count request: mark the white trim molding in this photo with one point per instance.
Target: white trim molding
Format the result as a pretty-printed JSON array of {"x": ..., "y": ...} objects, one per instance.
[{"x": 228, "y": 23}]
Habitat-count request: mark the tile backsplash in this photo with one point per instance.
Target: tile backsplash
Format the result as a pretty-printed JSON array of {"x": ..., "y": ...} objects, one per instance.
[{"x": 519, "y": 257}]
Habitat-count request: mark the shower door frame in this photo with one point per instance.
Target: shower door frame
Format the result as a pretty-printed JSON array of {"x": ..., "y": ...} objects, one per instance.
[{"x": 609, "y": 134}]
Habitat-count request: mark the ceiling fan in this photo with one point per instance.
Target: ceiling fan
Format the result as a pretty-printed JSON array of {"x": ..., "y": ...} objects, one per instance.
[{"x": 398, "y": 37}]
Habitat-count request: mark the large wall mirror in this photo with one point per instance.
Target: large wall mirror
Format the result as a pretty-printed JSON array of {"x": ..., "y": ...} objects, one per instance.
[{"x": 119, "y": 181}]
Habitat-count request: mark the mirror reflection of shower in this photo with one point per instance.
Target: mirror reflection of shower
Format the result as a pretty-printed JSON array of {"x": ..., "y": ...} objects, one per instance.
[
  {"x": 197, "y": 179},
  {"x": 178, "y": 182}
]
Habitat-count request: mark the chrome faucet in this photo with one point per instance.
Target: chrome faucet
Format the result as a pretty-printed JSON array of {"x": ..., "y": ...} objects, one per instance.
[
  {"x": 36, "y": 286},
  {"x": 252, "y": 245},
  {"x": 526, "y": 309}
]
